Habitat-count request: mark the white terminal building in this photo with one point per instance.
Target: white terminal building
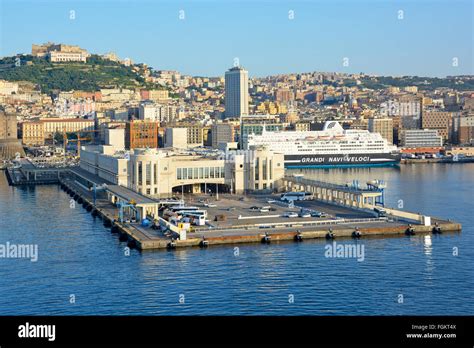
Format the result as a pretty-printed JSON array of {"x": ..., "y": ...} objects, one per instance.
[{"x": 160, "y": 172}]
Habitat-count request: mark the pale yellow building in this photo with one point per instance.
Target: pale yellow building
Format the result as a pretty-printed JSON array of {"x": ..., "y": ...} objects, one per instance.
[
  {"x": 32, "y": 133},
  {"x": 384, "y": 126},
  {"x": 272, "y": 108},
  {"x": 157, "y": 172},
  {"x": 58, "y": 125}
]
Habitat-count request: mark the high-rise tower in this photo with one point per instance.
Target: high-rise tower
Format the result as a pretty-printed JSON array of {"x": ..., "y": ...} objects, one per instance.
[{"x": 236, "y": 92}]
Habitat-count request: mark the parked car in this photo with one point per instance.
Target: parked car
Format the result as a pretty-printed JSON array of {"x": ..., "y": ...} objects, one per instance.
[
  {"x": 319, "y": 214},
  {"x": 290, "y": 214},
  {"x": 304, "y": 214},
  {"x": 254, "y": 208},
  {"x": 264, "y": 210},
  {"x": 270, "y": 201}
]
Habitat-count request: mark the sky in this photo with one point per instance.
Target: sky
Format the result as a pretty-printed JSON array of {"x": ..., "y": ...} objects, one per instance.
[{"x": 206, "y": 37}]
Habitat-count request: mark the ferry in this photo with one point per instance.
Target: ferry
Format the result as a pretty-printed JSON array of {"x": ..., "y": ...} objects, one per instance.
[{"x": 333, "y": 146}]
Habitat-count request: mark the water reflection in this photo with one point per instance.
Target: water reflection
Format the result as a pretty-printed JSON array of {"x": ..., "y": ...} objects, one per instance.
[
  {"x": 428, "y": 249},
  {"x": 78, "y": 255}
]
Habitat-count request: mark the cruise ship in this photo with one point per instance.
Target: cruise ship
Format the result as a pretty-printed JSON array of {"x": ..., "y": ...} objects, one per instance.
[{"x": 333, "y": 146}]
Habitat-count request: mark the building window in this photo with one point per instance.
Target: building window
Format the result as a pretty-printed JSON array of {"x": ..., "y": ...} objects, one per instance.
[
  {"x": 212, "y": 172},
  {"x": 148, "y": 173},
  {"x": 190, "y": 173},
  {"x": 178, "y": 174},
  {"x": 264, "y": 169},
  {"x": 257, "y": 169},
  {"x": 155, "y": 174},
  {"x": 206, "y": 173},
  {"x": 201, "y": 173},
  {"x": 196, "y": 173},
  {"x": 140, "y": 172}
]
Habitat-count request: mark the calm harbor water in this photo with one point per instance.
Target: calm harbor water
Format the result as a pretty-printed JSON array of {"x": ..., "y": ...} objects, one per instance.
[{"x": 78, "y": 256}]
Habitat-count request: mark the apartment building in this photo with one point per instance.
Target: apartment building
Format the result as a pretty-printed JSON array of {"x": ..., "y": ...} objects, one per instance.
[
  {"x": 284, "y": 95},
  {"x": 439, "y": 120},
  {"x": 7, "y": 87},
  {"x": 384, "y": 126},
  {"x": 68, "y": 125},
  {"x": 156, "y": 95},
  {"x": 32, "y": 133},
  {"x": 157, "y": 112},
  {"x": 463, "y": 129},
  {"x": 222, "y": 133}
]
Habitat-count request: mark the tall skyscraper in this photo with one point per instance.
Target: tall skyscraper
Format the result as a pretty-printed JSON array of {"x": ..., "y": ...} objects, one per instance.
[{"x": 236, "y": 92}]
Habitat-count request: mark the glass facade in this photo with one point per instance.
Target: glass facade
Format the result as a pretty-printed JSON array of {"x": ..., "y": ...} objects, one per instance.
[{"x": 200, "y": 173}]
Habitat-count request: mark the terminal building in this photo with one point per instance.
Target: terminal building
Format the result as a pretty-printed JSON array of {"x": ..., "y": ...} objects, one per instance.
[{"x": 160, "y": 173}]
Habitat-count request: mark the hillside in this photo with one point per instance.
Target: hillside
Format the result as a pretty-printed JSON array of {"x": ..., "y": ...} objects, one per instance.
[
  {"x": 423, "y": 83},
  {"x": 90, "y": 76}
]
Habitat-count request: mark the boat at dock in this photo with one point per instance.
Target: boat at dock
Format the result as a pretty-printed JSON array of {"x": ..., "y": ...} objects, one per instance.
[{"x": 331, "y": 147}]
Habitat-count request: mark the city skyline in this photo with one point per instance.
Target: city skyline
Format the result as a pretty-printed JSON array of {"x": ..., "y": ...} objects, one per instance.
[{"x": 272, "y": 40}]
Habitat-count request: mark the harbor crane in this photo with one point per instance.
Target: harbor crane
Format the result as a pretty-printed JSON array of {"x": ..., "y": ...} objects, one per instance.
[{"x": 78, "y": 140}]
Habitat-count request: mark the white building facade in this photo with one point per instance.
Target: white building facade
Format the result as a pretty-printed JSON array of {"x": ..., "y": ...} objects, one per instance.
[
  {"x": 413, "y": 138},
  {"x": 156, "y": 172}
]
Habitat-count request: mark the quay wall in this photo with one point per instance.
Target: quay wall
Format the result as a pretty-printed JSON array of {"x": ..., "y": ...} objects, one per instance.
[
  {"x": 404, "y": 214},
  {"x": 142, "y": 241}
]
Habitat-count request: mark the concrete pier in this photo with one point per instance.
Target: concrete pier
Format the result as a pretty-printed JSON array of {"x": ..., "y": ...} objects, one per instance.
[
  {"x": 147, "y": 238},
  {"x": 349, "y": 209}
]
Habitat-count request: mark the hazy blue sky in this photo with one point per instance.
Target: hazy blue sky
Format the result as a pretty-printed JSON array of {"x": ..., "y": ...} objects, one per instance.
[{"x": 259, "y": 33}]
